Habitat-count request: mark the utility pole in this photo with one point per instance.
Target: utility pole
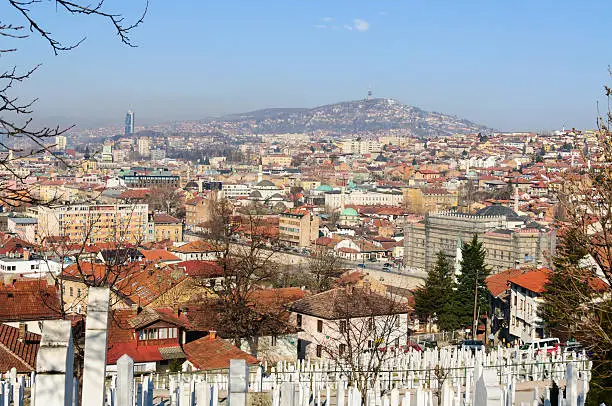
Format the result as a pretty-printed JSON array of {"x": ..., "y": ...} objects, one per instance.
[{"x": 475, "y": 314}]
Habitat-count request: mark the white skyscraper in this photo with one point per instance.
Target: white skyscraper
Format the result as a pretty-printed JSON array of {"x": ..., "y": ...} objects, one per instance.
[{"x": 60, "y": 142}]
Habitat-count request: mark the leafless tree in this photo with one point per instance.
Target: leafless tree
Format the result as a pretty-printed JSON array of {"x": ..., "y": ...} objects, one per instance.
[
  {"x": 578, "y": 300},
  {"x": 247, "y": 266},
  {"x": 324, "y": 267},
  {"x": 364, "y": 330},
  {"x": 19, "y": 138}
]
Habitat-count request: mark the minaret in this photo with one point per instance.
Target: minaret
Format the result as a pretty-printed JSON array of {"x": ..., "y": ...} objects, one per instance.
[
  {"x": 516, "y": 199},
  {"x": 458, "y": 258},
  {"x": 260, "y": 173}
]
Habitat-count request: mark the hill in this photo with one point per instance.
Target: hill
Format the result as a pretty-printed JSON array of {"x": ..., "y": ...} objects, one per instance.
[{"x": 359, "y": 116}]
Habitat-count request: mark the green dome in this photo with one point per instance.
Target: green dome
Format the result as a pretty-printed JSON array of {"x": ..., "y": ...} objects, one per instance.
[
  {"x": 324, "y": 188},
  {"x": 349, "y": 211}
]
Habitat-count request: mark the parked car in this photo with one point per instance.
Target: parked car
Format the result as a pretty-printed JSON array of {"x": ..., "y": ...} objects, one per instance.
[
  {"x": 474, "y": 345},
  {"x": 387, "y": 264},
  {"x": 372, "y": 260},
  {"x": 428, "y": 343},
  {"x": 573, "y": 346},
  {"x": 546, "y": 344},
  {"x": 361, "y": 265}
]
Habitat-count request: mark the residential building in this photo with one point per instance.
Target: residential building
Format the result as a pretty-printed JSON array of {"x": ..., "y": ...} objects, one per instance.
[
  {"x": 361, "y": 147},
  {"x": 158, "y": 154},
  {"x": 298, "y": 227},
  {"x": 166, "y": 227},
  {"x": 276, "y": 160},
  {"x": 23, "y": 227},
  {"x": 144, "y": 147},
  {"x": 94, "y": 223},
  {"x": 325, "y": 317},
  {"x": 197, "y": 211},
  {"x": 196, "y": 250},
  {"x": 526, "y": 290},
  {"x": 60, "y": 142}
]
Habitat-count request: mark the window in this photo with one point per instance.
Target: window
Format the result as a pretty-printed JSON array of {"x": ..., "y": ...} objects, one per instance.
[
  {"x": 163, "y": 333},
  {"x": 342, "y": 326},
  {"x": 71, "y": 291},
  {"x": 320, "y": 326},
  {"x": 319, "y": 350},
  {"x": 397, "y": 321},
  {"x": 341, "y": 349},
  {"x": 299, "y": 320},
  {"x": 78, "y": 292},
  {"x": 397, "y": 341},
  {"x": 172, "y": 333},
  {"x": 371, "y": 323},
  {"x": 274, "y": 342}
]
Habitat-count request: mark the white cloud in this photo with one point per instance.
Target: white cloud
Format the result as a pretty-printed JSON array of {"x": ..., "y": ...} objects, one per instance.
[
  {"x": 348, "y": 27},
  {"x": 320, "y": 26},
  {"x": 382, "y": 13},
  {"x": 327, "y": 19},
  {"x": 361, "y": 25}
]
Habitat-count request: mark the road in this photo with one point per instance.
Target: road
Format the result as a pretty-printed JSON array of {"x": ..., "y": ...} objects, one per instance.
[{"x": 396, "y": 277}]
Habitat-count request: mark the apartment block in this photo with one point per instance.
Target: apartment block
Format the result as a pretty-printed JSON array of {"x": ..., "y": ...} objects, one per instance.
[{"x": 126, "y": 223}]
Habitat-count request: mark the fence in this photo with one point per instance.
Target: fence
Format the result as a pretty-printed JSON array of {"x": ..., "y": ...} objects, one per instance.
[{"x": 455, "y": 377}]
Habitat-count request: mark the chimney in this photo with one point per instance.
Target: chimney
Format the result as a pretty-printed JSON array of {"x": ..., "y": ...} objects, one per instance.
[
  {"x": 26, "y": 254},
  {"x": 23, "y": 329},
  {"x": 212, "y": 334}
]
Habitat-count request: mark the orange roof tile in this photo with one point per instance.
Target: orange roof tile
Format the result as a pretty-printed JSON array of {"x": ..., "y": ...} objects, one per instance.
[{"x": 207, "y": 353}]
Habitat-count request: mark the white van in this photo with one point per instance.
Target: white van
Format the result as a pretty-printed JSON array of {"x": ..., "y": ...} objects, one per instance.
[{"x": 547, "y": 345}]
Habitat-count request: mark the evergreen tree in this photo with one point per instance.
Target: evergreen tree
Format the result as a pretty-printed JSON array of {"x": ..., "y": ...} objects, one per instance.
[
  {"x": 473, "y": 273},
  {"x": 430, "y": 300}
]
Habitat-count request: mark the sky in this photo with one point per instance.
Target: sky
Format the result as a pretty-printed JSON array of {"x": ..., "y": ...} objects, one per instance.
[{"x": 511, "y": 65}]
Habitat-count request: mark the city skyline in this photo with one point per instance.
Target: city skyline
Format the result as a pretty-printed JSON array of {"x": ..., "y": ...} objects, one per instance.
[{"x": 511, "y": 67}]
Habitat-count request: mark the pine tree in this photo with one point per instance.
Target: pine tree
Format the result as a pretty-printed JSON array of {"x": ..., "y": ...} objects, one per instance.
[
  {"x": 430, "y": 300},
  {"x": 473, "y": 271}
]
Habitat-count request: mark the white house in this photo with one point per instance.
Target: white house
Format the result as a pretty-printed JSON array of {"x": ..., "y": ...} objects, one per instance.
[
  {"x": 525, "y": 299},
  {"x": 331, "y": 321},
  {"x": 28, "y": 267}
]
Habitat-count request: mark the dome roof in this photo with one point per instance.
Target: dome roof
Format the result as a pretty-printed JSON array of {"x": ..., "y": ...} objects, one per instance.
[
  {"x": 266, "y": 183},
  {"x": 497, "y": 210},
  {"x": 349, "y": 211},
  {"x": 324, "y": 188}
]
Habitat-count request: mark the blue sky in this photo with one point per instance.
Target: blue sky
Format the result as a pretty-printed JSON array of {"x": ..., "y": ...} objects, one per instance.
[{"x": 512, "y": 65}]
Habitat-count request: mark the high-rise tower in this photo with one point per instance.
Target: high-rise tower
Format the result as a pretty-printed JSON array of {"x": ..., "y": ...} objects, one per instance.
[{"x": 129, "y": 124}]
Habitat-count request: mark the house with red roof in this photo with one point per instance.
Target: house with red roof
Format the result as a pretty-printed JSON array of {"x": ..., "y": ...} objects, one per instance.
[
  {"x": 526, "y": 290},
  {"x": 212, "y": 353},
  {"x": 151, "y": 337},
  {"x": 18, "y": 349}
]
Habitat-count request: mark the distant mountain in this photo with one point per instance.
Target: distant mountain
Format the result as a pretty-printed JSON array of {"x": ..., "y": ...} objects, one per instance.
[{"x": 359, "y": 116}]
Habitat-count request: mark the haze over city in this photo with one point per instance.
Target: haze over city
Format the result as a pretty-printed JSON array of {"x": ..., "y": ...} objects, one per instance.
[{"x": 511, "y": 66}]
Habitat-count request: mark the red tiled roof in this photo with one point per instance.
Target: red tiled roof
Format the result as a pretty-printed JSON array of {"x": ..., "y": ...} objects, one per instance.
[
  {"x": 164, "y": 218},
  {"x": 203, "y": 269},
  {"x": 534, "y": 280},
  {"x": 195, "y": 246},
  {"x": 134, "y": 194},
  {"x": 16, "y": 353},
  {"x": 207, "y": 353},
  {"x": 156, "y": 255},
  {"x": 498, "y": 283},
  {"x": 29, "y": 301}
]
